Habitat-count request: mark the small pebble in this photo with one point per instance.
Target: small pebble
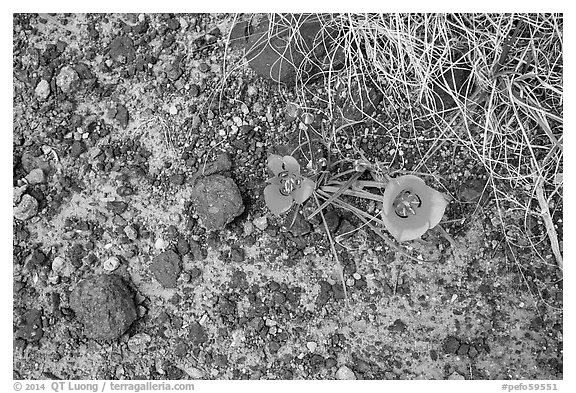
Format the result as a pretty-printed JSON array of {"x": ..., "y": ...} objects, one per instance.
[
  {"x": 175, "y": 218},
  {"x": 17, "y": 193},
  {"x": 130, "y": 232},
  {"x": 160, "y": 244},
  {"x": 261, "y": 223},
  {"x": 307, "y": 118},
  {"x": 252, "y": 90},
  {"x": 173, "y": 110},
  {"x": 53, "y": 278},
  {"x": 43, "y": 89},
  {"x": 357, "y": 276},
  {"x": 344, "y": 373},
  {"x": 58, "y": 264},
  {"x": 139, "y": 342},
  {"x": 27, "y": 208},
  {"x": 111, "y": 264},
  {"x": 67, "y": 79},
  {"x": 455, "y": 376},
  {"x": 248, "y": 228},
  {"x": 311, "y": 345}
]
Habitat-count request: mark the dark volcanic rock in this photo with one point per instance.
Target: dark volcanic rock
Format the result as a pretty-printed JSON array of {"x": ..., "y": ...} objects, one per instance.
[
  {"x": 122, "y": 115},
  {"x": 217, "y": 201},
  {"x": 274, "y": 52},
  {"x": 196, "y": 334},
  {"x": 397, "y": 326},
  {"x": 30, "y": 326},
  {"x": 297, "y": 226},
  {"x": 166, "y": 268},
  {"x": 105, "y": 306},
  {"x": 122, "y": 50},
  {"x": 451, "y": 344}
]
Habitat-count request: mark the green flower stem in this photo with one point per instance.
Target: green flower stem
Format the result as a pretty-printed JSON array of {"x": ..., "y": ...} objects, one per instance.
[
  {"x": 343, "y": 188},
  {"x": 355, "y": 193},
  {"x": 362, "y": 184}
]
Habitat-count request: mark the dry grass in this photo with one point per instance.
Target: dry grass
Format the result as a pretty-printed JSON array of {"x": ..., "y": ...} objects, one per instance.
[{"x": 507, "y": 116}]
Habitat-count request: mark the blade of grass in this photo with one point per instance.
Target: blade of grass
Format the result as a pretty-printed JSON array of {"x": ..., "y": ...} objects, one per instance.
[
  {"x": 333, "y": 247},
  {"x": 336, "y": 194}
]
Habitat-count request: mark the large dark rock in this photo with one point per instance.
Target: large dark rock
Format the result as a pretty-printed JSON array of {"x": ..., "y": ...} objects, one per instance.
[
  {"x": 196, "y": 334},
  {"x": 105, "y": 306},
  {"x": 30, "y": 326},
  {"x": 276, "y": 51},
  {"x": 217, "y": 201},
  {"x": 122, "y": 50},
  {"x": 166, "y": 268}
]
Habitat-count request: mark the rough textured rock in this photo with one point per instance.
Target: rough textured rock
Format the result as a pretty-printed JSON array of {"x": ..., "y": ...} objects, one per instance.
[
  {"x": 450, "y": 344},
  {"x": 296, "y": 226},
  {"x": 43, "y": 89},
  {"x": 30, "y": 326},
  {"x": 221, "y": 164},
  {"x": 67, "y": 79},
  {"x": 122, "y": 115},
  {"x": 196, "y": 334},
  {"x": 105, "y": 306},
  {"x": 345, "y": 373},
  {"x": 217, "y": 201},
  {"x": 166, "y": 268},
  {"x": 122, "y": 50},
  {"x": 27, "y": 208},
  {"x": 36, "y": 176},
  {"x": 275, "y": 53}
]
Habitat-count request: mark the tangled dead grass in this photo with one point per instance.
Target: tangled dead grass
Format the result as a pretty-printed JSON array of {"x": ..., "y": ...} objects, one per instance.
[{"x": 491, "y": 84}]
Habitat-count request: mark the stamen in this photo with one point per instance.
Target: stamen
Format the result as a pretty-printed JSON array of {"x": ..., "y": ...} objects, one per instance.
[{"x": 406, "y": 202}]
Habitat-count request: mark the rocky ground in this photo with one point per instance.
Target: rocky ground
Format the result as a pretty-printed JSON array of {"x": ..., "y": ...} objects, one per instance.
[{"x": 126, "y": 137}]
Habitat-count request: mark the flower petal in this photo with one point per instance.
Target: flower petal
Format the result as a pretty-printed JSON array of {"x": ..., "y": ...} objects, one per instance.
[
  {"x": 275, "y": 164},
  {"x": 427, "y": 215},
  {"x": 405, "y": 229},
  {"x": 291, "y": 165},
  {"x": 438, "y": 205},
  {"x": 276, "y": 202},
  {"x": 304, "y": 192},
  {"x": 274, "y": 180}
]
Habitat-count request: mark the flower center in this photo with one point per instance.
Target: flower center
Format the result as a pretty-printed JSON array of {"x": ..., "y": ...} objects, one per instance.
[
  {"x": 288, "y": 182},
  {"x": 405, "y": 203}
]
